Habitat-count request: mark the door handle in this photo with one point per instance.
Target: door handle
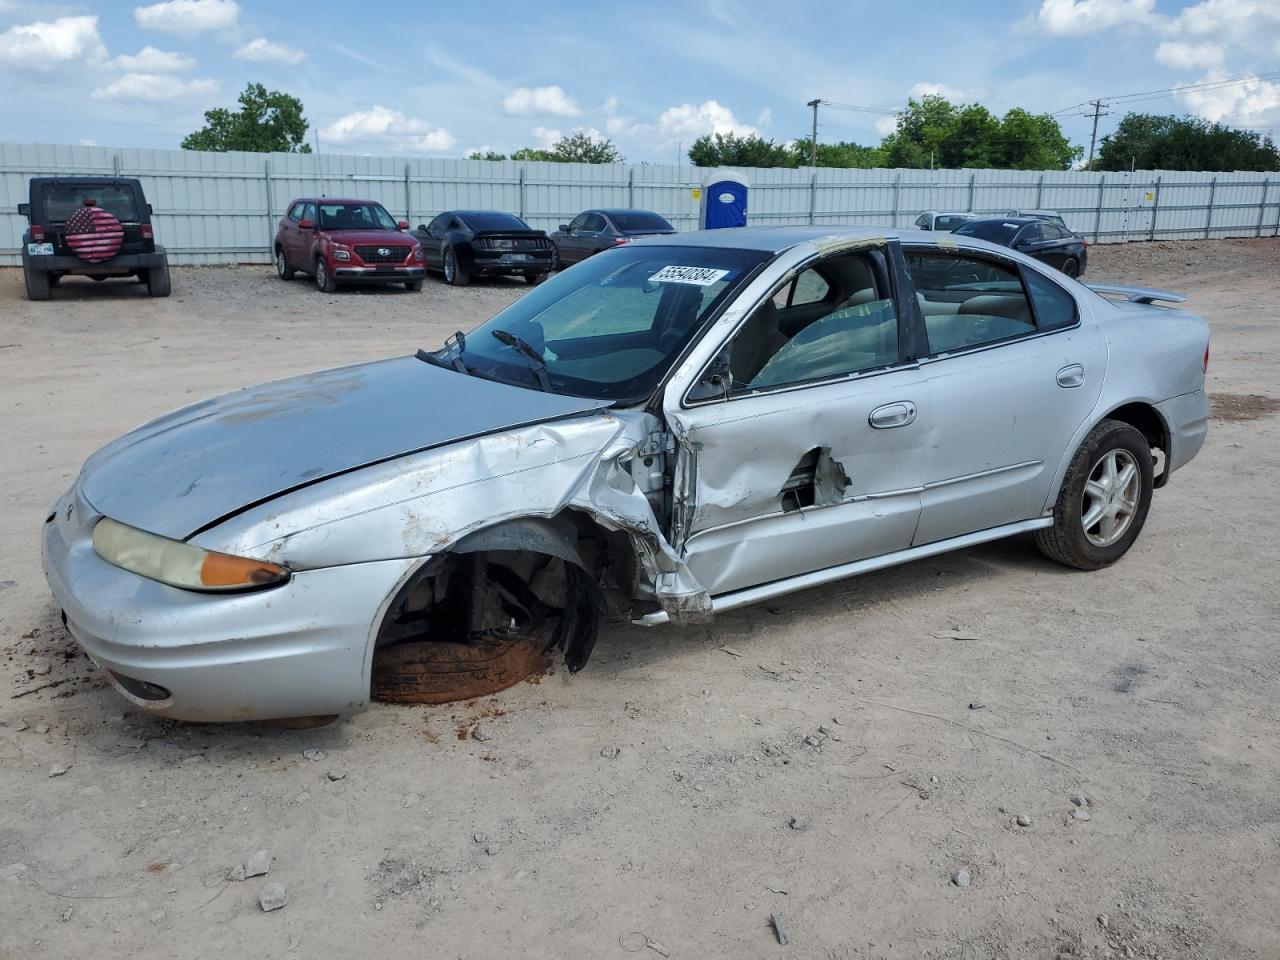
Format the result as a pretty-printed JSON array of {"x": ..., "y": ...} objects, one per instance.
[
  {"x": 1071, "y": 375},
  {"x": 892, "y": 415}
]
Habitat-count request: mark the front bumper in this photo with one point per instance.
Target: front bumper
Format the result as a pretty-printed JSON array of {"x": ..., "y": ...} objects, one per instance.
[
  {"x": 117, "y": 266},
  {"x": 297, "y": 650},
  {"x": 380, "y": 274}
]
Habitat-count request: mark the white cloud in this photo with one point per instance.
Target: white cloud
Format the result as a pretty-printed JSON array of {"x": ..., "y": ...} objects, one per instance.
[
  {"x": 618, "y": 125},
  {"x": 947, "y": 92},
  {"x": 188, "y": 16},
  {"x": 151, "y": 60},
  {"x": 886, "y": 126},
  {"x": 708, "y": 117},
  {"x": 1248, "y": 23},
  {"x": 525, "y": 100},
  {"x": 546, "y": 137},
  {"x": 1075, "y": 17},
  {"x": 382, "y": 126},
  {"x": 474, "y": 152},
  {"x": 1186, "y": 56},
  {"x": 765, "y": 117},
  {"x": 263, "y": 50},
  {"x": 154, "y": 86},
  {"x": 48, "y": 44},
  {"x": 1239, "y": 102},
  {"x": 83, "y": 143}
]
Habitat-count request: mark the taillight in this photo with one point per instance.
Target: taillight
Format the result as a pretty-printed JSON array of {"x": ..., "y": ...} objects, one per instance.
[
  {"x": 37, "y": 233},
  {"x": 1206, "y": 358},
  {"x": 146, "y": 231}
]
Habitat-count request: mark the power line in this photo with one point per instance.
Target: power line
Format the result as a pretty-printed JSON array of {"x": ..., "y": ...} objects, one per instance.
[{"x": 1170, "y": 92}]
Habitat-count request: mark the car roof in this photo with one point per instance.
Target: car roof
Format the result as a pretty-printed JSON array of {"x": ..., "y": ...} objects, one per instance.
[
  {"x": 777, "y": 239},
  {"x": 1020, "y": 220},
  {"x": 1039, "y": 213},
  {"x": 331, "y": 200},
  {"x": 84, "y": 178},
  {"x": 613, "y": 211},
  {"x": 479, "y": 213}
]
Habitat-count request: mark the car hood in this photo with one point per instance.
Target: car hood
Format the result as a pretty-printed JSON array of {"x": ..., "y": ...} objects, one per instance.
[
  {"x": 383, "y": 238},
  {"x": 188, "y": 469}
]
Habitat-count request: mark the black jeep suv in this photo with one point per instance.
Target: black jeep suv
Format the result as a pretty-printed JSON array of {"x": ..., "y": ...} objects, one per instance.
[{"x": 95, "y": 227}]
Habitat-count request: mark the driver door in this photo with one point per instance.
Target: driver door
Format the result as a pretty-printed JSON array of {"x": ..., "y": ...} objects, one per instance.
[{"x": 813, "y": 455}]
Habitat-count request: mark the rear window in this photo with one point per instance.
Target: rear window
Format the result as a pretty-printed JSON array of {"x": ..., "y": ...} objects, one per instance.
[
  {"x": 492, "y": 220},
  {"x": 632, "y": 220},
  {"x": 61, "y": 200},
  {"x": 995, "y": 231}
]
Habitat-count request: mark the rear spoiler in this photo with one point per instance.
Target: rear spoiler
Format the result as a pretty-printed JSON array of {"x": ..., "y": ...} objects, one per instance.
[{"x": 1136, "y": 294}]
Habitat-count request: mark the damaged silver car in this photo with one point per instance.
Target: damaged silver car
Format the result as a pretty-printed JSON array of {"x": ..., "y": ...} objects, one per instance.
[{"x": 676, "y": 427}]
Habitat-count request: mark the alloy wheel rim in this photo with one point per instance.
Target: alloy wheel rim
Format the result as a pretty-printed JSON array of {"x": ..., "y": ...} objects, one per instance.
[
  {"x": 322, "y": 274},
  {"x": 448, "y": 266},
  {"x": 280, "y": 262},
  {"x": 1111, "y": 496}
]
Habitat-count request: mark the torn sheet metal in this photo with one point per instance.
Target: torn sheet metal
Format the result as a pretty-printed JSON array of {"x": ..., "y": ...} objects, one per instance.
[{"x": 424, "y": 504}]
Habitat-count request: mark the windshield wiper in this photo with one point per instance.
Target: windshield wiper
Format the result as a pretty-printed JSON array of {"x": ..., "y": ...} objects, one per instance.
[
  {"x": 452, "y": 359},
  {"x": 536, "y": 363}
]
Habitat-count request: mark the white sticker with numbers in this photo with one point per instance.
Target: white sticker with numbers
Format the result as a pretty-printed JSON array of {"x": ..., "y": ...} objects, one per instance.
[{"x": 700, "y": 276}]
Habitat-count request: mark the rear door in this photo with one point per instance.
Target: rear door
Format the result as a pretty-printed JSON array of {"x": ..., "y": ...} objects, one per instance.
[
  {"x": 812, "y": 454},
  {"x": 1014, "y": 366}
]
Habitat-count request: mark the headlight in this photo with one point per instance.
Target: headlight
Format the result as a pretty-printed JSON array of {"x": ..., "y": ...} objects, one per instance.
[
  {"x": 417, "y": 253},
  {"x": 180, "y": 564},
  {"x": 341, "y": 255}
]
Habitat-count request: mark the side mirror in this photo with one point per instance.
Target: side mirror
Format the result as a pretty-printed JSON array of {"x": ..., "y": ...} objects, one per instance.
[
  {"x": 422, "y": 227},
  {"x": 149, "y": 210},
  {"x": 563, "y": 228},
  {"x": 716, "y": 381},
  {"x": 402, "y": 224},
  {"x": 24, "y": 209},
  {"x": 306, "y": 224}
]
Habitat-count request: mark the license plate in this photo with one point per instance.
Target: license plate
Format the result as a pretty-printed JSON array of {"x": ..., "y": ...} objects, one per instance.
[
  {"x": 40, "y": 249},
  {"x": 515, "y": 257}
]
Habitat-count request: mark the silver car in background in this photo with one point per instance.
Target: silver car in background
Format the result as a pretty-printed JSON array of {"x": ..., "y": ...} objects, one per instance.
[{"x": 677, "y": 427}]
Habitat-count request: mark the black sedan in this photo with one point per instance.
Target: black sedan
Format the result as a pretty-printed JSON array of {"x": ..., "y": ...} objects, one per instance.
[
  {"x": 1042, "y": 239},
  {"x": 594, "y": 230},
  {"x": 463, "y": 244}
]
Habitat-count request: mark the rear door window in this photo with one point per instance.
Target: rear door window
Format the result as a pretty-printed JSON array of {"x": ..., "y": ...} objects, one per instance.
[
  {"x": 61, "y": 200},
  {"x": 1055, "y": 307},
  {"x": 968, "y": 302}
]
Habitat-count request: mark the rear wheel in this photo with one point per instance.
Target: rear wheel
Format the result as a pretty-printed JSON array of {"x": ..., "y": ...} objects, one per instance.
[
  {"x": 1072, "y": 267},
  {"x": 454, "y": 273},
  {"x": 414, "y": 285},
  {"x": 38, "y": 284},
  {"x": 158, "y": 280},
  {"x": 324, "y": 280},
  {"x": 533, "y": 279},
  {"x": 283, "y": 270},
  {"x": 1104, "y": 499}
]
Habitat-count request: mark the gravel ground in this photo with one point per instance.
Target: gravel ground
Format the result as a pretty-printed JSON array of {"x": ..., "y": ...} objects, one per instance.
[{"x": 1098, "y": 753}]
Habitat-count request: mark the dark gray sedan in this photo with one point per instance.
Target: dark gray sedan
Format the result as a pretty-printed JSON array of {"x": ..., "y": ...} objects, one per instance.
[
  {"x": 1042, "y": 239},
  {"x": 594, "y": 230}
]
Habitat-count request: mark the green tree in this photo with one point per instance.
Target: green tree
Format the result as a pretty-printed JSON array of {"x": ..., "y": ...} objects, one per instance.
[
  {"x": 934, "y": 132},
  {"x": 845, "y": 153},
  {"x": 267, "y": 122},
  {"x": 579, "y": 147},
  {"x": 730, "y": 150},
  {"x": 487, "y": 155},
  {"x": 1166, "y": 142}
]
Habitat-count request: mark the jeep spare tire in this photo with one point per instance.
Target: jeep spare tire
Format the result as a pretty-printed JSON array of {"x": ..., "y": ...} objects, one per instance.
[{"x": 93, "y": 234}]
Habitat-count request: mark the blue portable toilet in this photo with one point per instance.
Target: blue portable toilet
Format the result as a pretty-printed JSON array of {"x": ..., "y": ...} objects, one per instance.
[{"x": 724, "y": 200}]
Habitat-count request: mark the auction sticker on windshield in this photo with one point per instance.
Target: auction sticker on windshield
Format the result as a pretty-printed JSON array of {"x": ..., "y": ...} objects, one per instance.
[{"x": 702, "y": 276}]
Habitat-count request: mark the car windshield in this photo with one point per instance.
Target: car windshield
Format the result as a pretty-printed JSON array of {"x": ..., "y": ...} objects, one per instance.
[
  {"x": 996, "y": 231},
  {"x": 610, "y": 327},
  {"x": 492, "y": 220},
  {"x": 355, "y": 216},
  {"x": 635, "y": 220},
  {"x": 61, "y": 200}
]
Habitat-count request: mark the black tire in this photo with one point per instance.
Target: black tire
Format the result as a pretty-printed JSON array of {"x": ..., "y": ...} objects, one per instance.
[
  {"x": 1072, "y": 267},
  {"x": 158, "y": 280},
  {"x": 54, "y": 279},
  {"x": 454, "y": 273},
  {"x": 1068, "y": 541},
  {"x": 555, "y": 259},
  {"x": 413, "y": 285},
  {"x": 533, "y": 279},
  {"x": 39, "y": 287},
  {"x": 283, "y": 270},
  {"x": 324, "y": 279}
]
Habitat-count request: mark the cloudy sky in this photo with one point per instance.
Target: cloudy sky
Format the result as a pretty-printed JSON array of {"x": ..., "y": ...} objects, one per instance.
[{"x": 436, "y": 79}]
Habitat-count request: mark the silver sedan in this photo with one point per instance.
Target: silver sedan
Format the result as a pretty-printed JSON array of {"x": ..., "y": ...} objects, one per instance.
[{"x": 677, "y": 427}]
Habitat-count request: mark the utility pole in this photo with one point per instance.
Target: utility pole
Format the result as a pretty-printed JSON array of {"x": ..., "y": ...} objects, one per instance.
[
  {"x": 1097, "y": 112},
  {"x": 813, "y": 142}
]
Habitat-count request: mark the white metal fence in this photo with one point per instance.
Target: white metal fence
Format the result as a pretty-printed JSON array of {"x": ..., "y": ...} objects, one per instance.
[{"x": 223, "y": 207}]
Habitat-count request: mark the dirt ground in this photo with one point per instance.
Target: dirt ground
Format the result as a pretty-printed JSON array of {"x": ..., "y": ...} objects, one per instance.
[{"x": 666, "y": 801}]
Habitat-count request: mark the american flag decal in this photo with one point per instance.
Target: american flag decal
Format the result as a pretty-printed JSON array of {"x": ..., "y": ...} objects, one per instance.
[{"x": 94, "y": 234}]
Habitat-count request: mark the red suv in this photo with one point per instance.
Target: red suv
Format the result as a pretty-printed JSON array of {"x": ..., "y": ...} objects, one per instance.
[{"x": 340, "y": 241}]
